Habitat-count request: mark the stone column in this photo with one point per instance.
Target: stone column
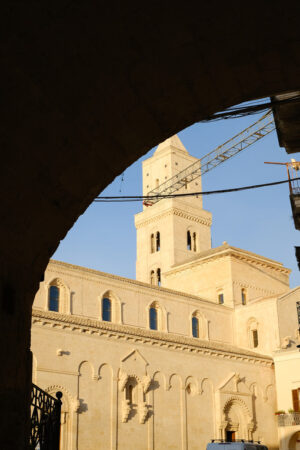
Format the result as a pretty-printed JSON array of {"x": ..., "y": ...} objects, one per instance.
[
  {"x": 114, "y": 413},
  {"x": 183, "y": 419}
]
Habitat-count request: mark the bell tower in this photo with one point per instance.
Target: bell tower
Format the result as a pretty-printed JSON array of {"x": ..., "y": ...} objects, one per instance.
[{"x": 172, "y": 230}]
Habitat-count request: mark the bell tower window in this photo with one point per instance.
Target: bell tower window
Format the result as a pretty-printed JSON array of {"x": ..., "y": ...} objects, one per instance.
[
  {"x": 221, "y": 299},
  {"x": 158, "y": 277},
  {"x": 244, "y": 297},
  {"x": 158, "y": 241},
  {"x": 194, "y": 242},
  {"x": 152, "y": 243},
  {"x": 152, "y": 277},
  {"x": 189, "y": 240},
  {"x": 255, "y": 338}
]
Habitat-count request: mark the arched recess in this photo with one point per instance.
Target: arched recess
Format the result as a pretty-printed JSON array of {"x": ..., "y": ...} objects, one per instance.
[
  {"x": 237, "y": 419},
  {"x": 294, "y": 441},
  {"x": 202, "y": 324},
  {"x": 64, "y": 296},
  {"x": 116, "y": 306},
  {"x": 67, "y": 415},
  {"x": 191, "y": 385},
  {"x": 161, "y": 316}
]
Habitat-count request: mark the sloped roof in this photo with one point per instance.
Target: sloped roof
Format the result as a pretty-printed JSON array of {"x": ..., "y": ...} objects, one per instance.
[{"x": 174, "y": 142}]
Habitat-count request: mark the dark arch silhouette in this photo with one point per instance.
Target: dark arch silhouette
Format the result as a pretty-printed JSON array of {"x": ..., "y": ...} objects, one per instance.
[{"x": 87, "y": 89}]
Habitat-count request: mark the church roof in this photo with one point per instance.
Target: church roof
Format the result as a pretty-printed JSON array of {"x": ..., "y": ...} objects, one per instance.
[
  {"x": 226, "y": 248},
  {"x": 174, "y": 142}
]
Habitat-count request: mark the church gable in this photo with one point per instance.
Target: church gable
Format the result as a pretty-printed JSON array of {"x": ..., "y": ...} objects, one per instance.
[
  {"x": 134, "y": 364},
  {"x": 234, "y": 384}
]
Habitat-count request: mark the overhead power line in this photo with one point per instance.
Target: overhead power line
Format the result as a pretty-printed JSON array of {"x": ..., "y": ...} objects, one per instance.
[
  {"x": 249, "y": 109},
  {"x": 219, "y": 155},
  {"x": 138, "y": 198}
]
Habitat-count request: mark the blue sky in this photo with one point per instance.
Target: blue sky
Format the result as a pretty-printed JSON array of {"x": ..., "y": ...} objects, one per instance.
[{"x": 259, "y": 220}]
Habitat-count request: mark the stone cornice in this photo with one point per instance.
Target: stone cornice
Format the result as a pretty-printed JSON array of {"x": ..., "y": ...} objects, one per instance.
[
  {"x": 224, "y": 251},
  {"x": 83, "y": 273},
  {"x": 141, "y": 222},
  {"x": 138, "y": 335}
]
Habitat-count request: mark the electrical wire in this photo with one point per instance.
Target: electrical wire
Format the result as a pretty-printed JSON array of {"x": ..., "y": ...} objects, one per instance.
[
  {"x": 138, "y": 198},
  {"x": 247, "y": 110}
]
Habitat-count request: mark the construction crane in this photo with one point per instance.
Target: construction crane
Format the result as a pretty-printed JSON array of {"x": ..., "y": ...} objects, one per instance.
[{"x": 230, "y": 148}]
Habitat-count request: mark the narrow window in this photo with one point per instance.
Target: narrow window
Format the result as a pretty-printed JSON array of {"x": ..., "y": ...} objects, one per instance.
[
  {"x": 244, "y": 297},
  {"x": 153, "y": 318},
  {"x": 129, "y": 393},
  {"x": 194, "y": 242},
  {"x": 158, "y": 241},
  {"x": 296, "y": 399},
  {"x": 158, "y": 277},
  {"x": 189, "y": 240},
  {"x": 106, "y": 309},
  {"x": 195, "y": 327},
  {"x": 156, "y": 182},
  {"x": 152, "y": 277},
  {"x": 54, "y": 298},
  {"x": 255, "y": 338},
  {"x": 221, "y": 299},
  {"x": 152, "y": 243}
]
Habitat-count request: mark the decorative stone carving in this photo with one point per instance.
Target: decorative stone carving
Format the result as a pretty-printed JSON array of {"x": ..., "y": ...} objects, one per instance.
[
  {"x": 123, "y": 380},
  {"x": 146, "y": 381},
  {"x": 126, "y": 408},
  {"x": 286, "y": 342},
  {"x": 143, "y": 411},
  {"x": 76, "y": 405}
]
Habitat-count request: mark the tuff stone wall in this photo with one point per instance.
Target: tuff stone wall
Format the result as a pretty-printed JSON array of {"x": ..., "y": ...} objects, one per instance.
[{"x": 88, "y": 88}]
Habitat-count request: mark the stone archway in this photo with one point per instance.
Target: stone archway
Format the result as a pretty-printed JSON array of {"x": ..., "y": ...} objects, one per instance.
[
  {"x": 236, "y": 420},
  {"x": 294, "y": 442},
  {"x": 88, "y": 89}
]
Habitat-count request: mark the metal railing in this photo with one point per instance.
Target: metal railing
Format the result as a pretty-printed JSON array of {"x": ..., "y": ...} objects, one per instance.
[
  {"x": 45, "y": 420},
  {"x": 288, "y": 420}
]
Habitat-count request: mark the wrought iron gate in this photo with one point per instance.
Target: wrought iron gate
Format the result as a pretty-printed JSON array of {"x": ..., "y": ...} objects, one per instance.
[{"x": 45, "y": 420}]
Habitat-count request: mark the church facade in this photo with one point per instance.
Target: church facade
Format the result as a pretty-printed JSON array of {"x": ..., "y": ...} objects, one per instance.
[{"x": 180, "y": 356}]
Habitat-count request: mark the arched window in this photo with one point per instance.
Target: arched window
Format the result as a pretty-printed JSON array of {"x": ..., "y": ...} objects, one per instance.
[
  {"x": 153, "y": 318},
  {"x": 129, "y": 392},
  {"x": 189, "y": 240},
  {"x": 54, "y": 298},
  {"x": 194, "y": 242},
  {"x": 158, "y": 277},
  {"x": 106, "y": 309},
  {"x": 244, "y": 296},
  {"x": 152, "y": 277},
  {"x": 195, "y": 327},
  {"x": 152, "y": 243},
  {"x": 221, "y": 298},
  {"x": 253, "y": 332},
  {"x": 157, "y": 241},
  {"x": 254, "y": 338}
]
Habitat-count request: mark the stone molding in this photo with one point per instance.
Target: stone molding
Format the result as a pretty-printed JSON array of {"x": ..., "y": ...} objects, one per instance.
[
  {"x": 268, "y": 292},
  {"x": 139, "y": 223},
  {"x": 231, "y": 253},
  {"x": 143, "y": 336}
]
